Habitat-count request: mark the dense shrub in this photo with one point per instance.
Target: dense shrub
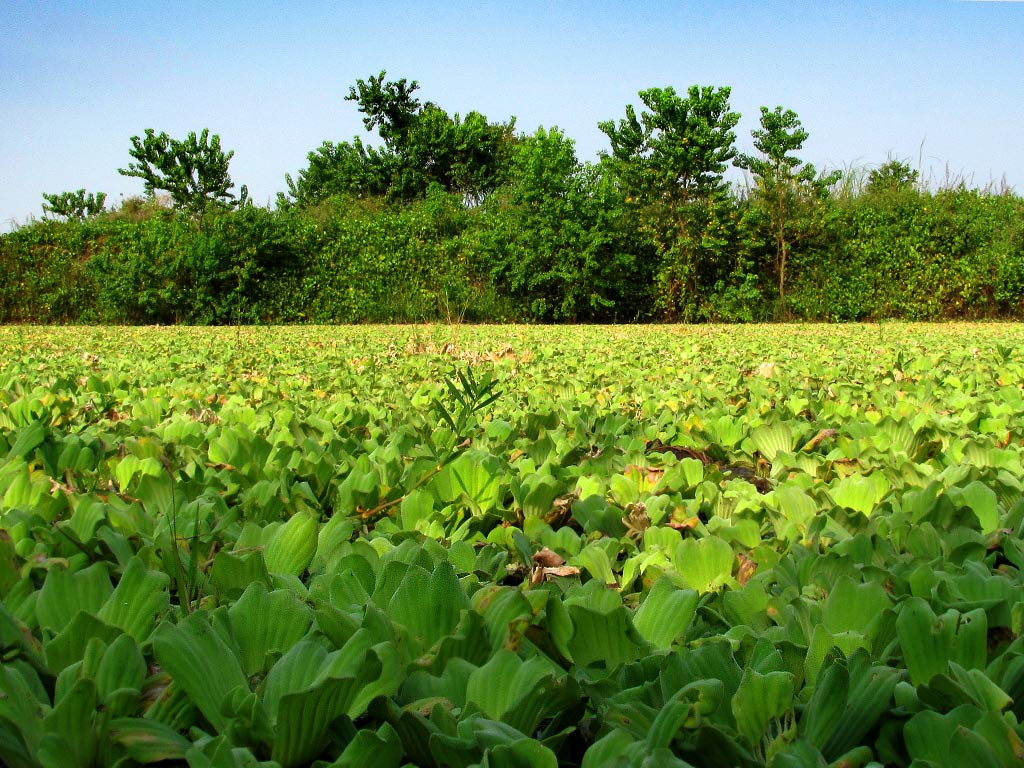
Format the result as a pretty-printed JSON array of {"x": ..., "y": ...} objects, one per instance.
[
  {"x": 562, "y": 243},
  {"x": 914, "y": 255}
]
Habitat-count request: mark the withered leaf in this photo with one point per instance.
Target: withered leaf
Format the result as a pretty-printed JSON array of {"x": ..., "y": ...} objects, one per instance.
[{"x": 547, "y": 557}]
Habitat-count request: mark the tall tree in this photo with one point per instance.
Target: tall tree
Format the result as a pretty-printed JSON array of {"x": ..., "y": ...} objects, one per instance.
[
  {"x": 670, "y": 160},
  {"x": 422, "y": 145},
  {"x": 194, "y": 171},
  {"x": 788, "y": 190},
  {"x": 547, "y": 243}
]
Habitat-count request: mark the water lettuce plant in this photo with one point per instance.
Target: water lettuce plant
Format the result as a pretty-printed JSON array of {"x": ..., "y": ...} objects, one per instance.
[{"x": 767, "y": 546}]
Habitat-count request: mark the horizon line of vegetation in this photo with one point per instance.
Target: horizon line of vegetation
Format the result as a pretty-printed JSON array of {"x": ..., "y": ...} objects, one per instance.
[{"x": 456, "y": 217}]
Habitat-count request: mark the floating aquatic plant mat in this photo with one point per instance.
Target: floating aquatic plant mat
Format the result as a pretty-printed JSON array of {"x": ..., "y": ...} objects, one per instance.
[{"x": 512, "y": 546}]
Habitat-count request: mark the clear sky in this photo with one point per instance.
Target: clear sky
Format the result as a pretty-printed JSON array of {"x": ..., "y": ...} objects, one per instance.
[{"x": 937, "y": 83}]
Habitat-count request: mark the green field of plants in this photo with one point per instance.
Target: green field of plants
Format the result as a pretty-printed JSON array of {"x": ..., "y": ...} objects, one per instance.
[{"x": 787, "y": 545}]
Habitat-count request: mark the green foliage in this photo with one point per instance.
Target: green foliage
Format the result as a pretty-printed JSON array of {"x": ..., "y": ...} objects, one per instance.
[
  {"x": 555, "y": 240},
  {"x": 455, "y": 219},
  {"x": 892, "y": 176},
  {"x": 913, "y": 255},
  {"x": 339, "y": 170},
  {"x": 75, "y": 205},
  {"x": 194, "y": 170},
  {"x": 670, "y": 161},
  {"x": 618, "y": 560},
  {"x": 679, "y": 148},
  {"x": 423, "y": 146},
  {"x": 787, "y": 189}
]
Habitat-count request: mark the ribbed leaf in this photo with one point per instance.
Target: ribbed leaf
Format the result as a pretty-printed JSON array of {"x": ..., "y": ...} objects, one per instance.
[
  {"x": 139, "y": 599},
  {"x": 304, "y": 717},
  {"x": 122, "y": 666},
  {"x": 428, "y": 605},
  {"x": 870, "y": 696},
  {"x": 860, "y": 493},
  {"x": 665, "y": 613},
  {"x": 29, "y": 438},
  {"x": 65, "y": 593},
  {"x": 928, "y": 734},
  {"x": 931, "y": 642},
  {"x": 855, "y": 607},
  {"x": 201, "y": 664},
  {"x": 232, "y": 572},
  {"x": 474, "y": 477},
  {"x": 21, "y": 718},
  {"x": 603, "y": 633},
  {"x": 511, "y": 690},
  {"x": 292, "y": 546},
  {"x": 372, "y": 750},
  {"x": 827, "y": 705},
  {"x": 759, "y": 700},
  {"x": 267, "y": 623},
  {"x": 772, "y": 439},
  {"x": 69, "y": 646},
  {"x": 69, "y": 737},
  {"x": 148, "y": 741},
  {"x": 981, "y": 500},
  {"x": 706, "y": 564}
]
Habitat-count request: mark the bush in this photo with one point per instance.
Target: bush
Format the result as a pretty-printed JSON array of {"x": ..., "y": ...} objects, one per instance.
[{"x": 554, "y": 246}]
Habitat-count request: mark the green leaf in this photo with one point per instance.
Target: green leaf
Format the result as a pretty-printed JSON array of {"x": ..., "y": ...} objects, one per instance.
[
  {"x": 706, "y": 564},
  {"x": 665, "y": 613},
  {"x": 428, "y": 605},
  {"x": 201, "y": 663},
  {"x": 233, "y": 572},
  {"x": 595, "y": 560},
  {"x": 860, "y": 493},
  {"x": 65, "y": 593},
  {"x": 370, "y": 750},
  {"x": 509, "y": 689},
  {"x": 772, "y": 439},
  {"x": 759, "y": 700},
  {"x": 267, "y": 624},
  {"x": 148, "y": 741},
  {"x": 69, "y": 645},
  {"x": 931, "y": 642},
  {"x": 21, "y": 719},
  {"x": 540, "y": 493},
  {"x": 69, "y": 736},
  {"x": 870, "y": 696},
  {"x": 474, "y": 478},
  {"x": 981, "y": 500},
  {"x": 828, "y": 704},
  {"x": 855, "y": 607},
  {"x": 797, "y": 506},
  {"x": 29, "y": 438},
  {"x": 304, "y": 717},
  {"x": 928, "y": 734},
  {"x": 603, "y": 634},
  {"x": 292, "y": 546},
  {"x": 122, "y": 666},
  {"x": 138, "y": 601}
]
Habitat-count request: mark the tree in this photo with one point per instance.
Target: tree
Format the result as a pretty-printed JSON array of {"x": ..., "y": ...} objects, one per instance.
[
  {"x": 670, "y": 161},
  {"x": 193, "y": 171},
  {"x": 75, "y": 205},
  {"x": 892, "y": 176},
  {"x": 342, "y": 168},
  {"x": 387, "y": 106},
  {"x": 422, "y": 145},
  {"x": 784, "y": 185},
  {"x": 547, "y": 242}
]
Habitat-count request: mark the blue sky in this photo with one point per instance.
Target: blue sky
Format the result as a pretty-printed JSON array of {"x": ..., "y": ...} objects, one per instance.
[{"x": 934, "y": 82}]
